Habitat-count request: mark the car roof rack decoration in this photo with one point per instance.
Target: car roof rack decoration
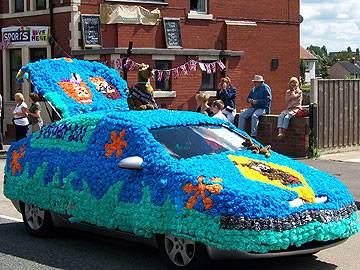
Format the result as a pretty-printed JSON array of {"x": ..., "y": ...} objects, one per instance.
[{"x": 76, "y": 86}]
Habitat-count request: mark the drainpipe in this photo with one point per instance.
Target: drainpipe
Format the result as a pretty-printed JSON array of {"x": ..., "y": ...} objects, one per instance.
[{"x": 51, "y": 31}]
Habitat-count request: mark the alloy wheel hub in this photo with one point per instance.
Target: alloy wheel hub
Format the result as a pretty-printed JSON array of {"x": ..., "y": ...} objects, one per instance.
[
  {"x": 34, "y": 216},
  {"x": 180, "y": 251}
]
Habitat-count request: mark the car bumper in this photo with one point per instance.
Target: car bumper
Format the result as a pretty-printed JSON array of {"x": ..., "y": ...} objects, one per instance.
[{"x": 309, "y": 248}]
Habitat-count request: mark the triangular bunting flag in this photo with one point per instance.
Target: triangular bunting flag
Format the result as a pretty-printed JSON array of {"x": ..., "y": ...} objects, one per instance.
[{"x": 221, "y": 65}]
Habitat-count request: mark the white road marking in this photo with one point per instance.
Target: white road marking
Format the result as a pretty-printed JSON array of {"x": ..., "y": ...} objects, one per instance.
[{"x": 11, "y": 218}]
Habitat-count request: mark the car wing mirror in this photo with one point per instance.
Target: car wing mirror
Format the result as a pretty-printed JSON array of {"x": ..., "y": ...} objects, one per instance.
[{"x": 131, "y": 163}]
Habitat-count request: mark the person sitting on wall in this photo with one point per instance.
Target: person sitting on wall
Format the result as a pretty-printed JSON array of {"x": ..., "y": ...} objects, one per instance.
[
  {"x": 202, "y": 100},
  {"x": 293, "y": 98},
  {"x": 141, "y": 96},
  {"x": 260, "y": 99},
  {"x": 227, "y": 93},
  {"x": 217, "y": 108}
]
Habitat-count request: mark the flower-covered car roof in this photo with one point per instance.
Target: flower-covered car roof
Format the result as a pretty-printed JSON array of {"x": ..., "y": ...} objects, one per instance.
[{"x": 75, "y": 86}]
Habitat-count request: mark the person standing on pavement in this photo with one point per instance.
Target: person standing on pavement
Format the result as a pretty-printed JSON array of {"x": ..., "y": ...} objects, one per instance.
[
  {"x": 34, "y": 113},
  {"x": 260, "y": 98},
  {"x": 1, "y": 117},
  {"x": 20, "y": 119},
  {"x": 227, "y": 93}
]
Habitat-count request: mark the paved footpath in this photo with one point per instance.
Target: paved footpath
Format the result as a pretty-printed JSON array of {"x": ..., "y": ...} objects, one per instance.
[
  {"x": 352, "y": 156},
  {"x": 77, "y": 250}
]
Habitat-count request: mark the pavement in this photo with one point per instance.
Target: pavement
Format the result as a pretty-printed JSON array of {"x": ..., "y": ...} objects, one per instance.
[{"x": 352, "y": 156}]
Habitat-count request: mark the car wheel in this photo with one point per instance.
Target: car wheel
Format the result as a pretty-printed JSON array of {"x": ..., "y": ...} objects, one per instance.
[
  {"x": 182, "y": 253},
  {"x": 36, "y": 220}
]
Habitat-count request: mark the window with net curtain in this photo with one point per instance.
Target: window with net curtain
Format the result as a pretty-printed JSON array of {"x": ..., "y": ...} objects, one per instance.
[
  {"x": 208, "y": 80},
  {"x": 40, "y": 4},
  {"x": 163, "y": 85},
  {"x": 19, "y": 5},
  {"x": 198, "y": 5}
]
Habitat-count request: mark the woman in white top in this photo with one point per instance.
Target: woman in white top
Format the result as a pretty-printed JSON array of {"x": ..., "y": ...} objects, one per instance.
[
  {"x": 20, "y": 119},
  {"x": 217, "y": 107}
]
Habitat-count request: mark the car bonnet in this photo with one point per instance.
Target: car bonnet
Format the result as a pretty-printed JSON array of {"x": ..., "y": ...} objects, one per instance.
[{"x": 244, "y": 184}]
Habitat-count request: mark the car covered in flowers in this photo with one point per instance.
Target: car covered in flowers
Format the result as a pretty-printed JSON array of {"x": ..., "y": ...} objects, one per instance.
[{"x": 184, "y": 180}]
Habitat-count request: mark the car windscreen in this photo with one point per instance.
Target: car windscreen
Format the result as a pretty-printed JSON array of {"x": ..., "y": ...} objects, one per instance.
[{"x": 190, "y": 141}]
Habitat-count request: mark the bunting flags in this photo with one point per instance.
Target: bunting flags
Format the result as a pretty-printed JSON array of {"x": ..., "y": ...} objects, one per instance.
[
  {"x": 160, "y": 75},
  {"x": 5, "y": 44}
]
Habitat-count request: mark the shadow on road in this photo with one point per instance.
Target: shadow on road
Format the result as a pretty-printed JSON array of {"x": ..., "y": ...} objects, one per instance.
[{"x": 78, "y": 250}]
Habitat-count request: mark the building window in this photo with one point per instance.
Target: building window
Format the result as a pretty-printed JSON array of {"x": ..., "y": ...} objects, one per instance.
[
  {"x": 37, "y": 54},
  {"x": 163, "y": 85},
  {"x": 15, "y": 65},
  {"x": 40, "y": 4},
  {"x": 208, "y": 81},
  {"x": 199, "y": 6},
  {"x": 19, "y": 5}
]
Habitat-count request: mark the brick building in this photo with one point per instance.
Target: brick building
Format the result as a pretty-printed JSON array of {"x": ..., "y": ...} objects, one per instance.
[{"x": 250, "y": 37}]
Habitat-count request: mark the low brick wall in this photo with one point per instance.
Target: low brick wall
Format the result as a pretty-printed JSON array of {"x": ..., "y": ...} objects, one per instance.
[{"x": 296, "y": 142}]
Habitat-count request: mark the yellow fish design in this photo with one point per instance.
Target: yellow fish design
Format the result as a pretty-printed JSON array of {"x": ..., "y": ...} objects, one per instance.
[{"x": 274, "y": 174}]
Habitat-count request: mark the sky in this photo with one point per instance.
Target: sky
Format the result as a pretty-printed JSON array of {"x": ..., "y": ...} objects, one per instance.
[{"x": 333, "y": 23}]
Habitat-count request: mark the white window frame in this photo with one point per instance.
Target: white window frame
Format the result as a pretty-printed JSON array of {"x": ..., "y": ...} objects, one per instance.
[
  {"x": 201, "y": 12},
  {"x": 201, "y": 15},
  {"x": 33, "y": 5},
  {"x": 12, "y": 7}
]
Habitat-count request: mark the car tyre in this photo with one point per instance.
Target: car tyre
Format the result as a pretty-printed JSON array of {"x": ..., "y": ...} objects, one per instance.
[
  {"x": 36, "y": 220},
  {"x": 182, "y": 253}
]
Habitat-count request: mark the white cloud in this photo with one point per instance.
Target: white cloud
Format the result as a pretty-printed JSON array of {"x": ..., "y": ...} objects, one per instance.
[{"x": 333, "y": 23}]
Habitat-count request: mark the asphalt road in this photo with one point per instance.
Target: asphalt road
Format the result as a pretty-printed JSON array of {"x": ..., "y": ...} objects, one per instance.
[
  {"x": 347, "y": 172},
  {"x": 77, "y": 250}
]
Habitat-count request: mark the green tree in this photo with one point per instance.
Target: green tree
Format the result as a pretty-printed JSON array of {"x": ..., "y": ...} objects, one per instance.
[
  {"x": 302, "y": 71},
  {"x": 323, "y": 59}
]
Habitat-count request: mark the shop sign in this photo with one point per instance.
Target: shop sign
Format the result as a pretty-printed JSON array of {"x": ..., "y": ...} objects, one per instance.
[{"x": 25, "y": 35}]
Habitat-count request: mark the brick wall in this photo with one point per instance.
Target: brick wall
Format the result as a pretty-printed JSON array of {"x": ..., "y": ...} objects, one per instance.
[
  {"x": 61, "y": 31},
  {"x": 296, "y": 142},
  {"x": 4, "y": 6},
  {"x": 272, "y": 38}
]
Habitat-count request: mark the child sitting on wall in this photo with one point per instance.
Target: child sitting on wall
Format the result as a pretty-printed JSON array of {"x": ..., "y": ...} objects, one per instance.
[
  {"x": 293, "y": 98},
  {"x": 217, "y": 107},
  {"x": 202, "y": 100}
]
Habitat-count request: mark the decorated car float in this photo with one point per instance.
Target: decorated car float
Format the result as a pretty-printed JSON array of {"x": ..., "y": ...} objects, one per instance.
[{"x": 184, "y": 181}]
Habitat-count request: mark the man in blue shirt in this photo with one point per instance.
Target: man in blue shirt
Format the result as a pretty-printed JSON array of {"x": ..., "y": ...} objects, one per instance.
[{"x": 260, "y": 99}]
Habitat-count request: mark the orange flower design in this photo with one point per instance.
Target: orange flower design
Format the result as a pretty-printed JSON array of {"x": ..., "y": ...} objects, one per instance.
[
  {"x": 108, "y": 89},
  {"x": 14, "y": 163},
  {"x": 117, "y": 145},
  {"x": 80, "y": 92},
  {"x": 65, "y": 58},
  {"x": 200, "y": 191}
]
